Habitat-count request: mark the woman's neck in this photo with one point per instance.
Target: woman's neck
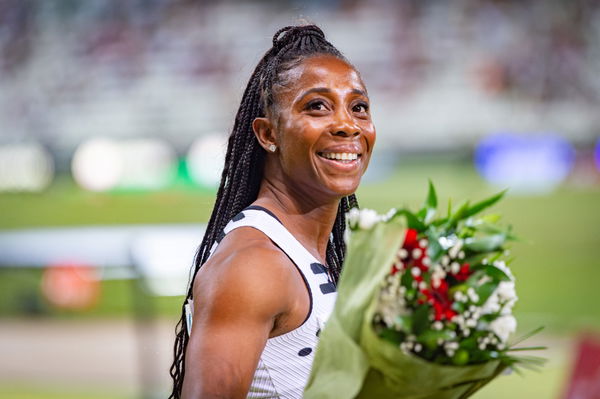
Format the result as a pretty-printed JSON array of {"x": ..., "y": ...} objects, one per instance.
[{"x": 311, "y": 222}]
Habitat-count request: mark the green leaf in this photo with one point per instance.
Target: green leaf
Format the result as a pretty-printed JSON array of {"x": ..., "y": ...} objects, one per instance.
[
  {"x": 420, "y": 319},
  {"x": 430, "y": 338},
  {"x": 459, "y": 287},
  {"x": 434, "y": 249},
  {"x": 489, "y": 228},
  {"x": 406, "y": 280},
  {"x": 469, "y": 343},
  {"x": 526, "y": 336},
  {"x": 488, "y": 318},
  {"x": 491, "y": 218},
  {"x": 527, "y": 348},
  {"x": 459, "y": 214},
  {"x": 412, "y": 220},
  {"x": 486, "y": 203},
  {"x": 392, "y": 336},
  {"x": 430, "y": 205},
  {"x": 439, "y": 222},
  {"x": 476, "y": 258},
  {"x": 403, "y": 323},
  {"x": 495, "y": 273},
  {"x": 485, "y": 291},
  {"x": 486, "y": 243},
  {"x": 459, "y": 307}
]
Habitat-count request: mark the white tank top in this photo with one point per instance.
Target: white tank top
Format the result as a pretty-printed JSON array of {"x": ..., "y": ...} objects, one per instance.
[{"x": 286, "y": 360}]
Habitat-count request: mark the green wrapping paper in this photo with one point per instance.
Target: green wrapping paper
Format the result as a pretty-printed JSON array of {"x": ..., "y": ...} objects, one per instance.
[
  {"x": 340, "y": 364},
  {"x": 351, "y": 361}
]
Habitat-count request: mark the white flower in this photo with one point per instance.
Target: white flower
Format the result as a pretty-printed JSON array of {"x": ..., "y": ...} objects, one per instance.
[
  {"x": 453, "y": 252},
  {"x": 451, "y": 345},
  {"x": 402, "y": 253},
  {"x": 416, "y": 253},
  {"x": 438, "y": 273},
  {"x": 492, "y": 305},
  {"x": 506, "y": 291},
  {"x": 503, "y": 326},
  {"x": 472, "y": 295},
  {"x": 352, "y": 217},
  {"x": 502, "y": 299},
  {"x": 367, "y": 219},
  {"x": 455, "y": 267},
  {"x": 445, "y": 260},
  {"x": 448, "y": 242},
  {"x": 389, "y": 214}
]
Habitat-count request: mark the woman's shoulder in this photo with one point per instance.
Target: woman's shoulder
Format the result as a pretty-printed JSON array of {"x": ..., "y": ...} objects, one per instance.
[
  {"x": 246, "y": 258},
  {"x": 247, "y": 244}
]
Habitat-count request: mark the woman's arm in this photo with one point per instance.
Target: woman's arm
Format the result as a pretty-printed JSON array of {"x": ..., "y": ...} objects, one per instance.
[{"x": 238, "y": 295}]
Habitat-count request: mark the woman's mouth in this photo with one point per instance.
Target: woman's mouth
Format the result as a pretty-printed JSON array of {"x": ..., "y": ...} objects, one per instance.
[{"x": 342, "y": 157}]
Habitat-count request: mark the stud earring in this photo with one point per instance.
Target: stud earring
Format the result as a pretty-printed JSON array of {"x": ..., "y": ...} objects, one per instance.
[{"x": 272, "y": 147}]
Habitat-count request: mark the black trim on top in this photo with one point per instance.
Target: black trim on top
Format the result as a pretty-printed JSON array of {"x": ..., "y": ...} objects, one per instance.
[
  {"x": 304, "y": 278},
  {"x": 260, "y": 208}
]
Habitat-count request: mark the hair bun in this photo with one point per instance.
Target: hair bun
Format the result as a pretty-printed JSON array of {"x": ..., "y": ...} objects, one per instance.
[{"x": 291, "y": 33}]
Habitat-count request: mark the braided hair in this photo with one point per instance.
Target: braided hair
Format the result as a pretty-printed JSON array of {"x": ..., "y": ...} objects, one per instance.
[{"x": 245, "y": 158}]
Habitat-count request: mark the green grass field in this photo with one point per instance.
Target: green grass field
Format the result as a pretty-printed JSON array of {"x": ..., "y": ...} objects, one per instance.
[{"x": 556, "y": 265}]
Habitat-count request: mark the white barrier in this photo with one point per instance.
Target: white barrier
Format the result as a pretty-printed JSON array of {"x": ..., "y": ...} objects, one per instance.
[{"x": 162, "y": 254}]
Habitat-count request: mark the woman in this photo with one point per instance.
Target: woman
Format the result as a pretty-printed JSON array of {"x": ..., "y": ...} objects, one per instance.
[{"x": 273, "y": 249}]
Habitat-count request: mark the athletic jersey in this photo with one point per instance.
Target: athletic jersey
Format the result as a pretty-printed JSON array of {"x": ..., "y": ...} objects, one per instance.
[{"x": 286, "y": 360}]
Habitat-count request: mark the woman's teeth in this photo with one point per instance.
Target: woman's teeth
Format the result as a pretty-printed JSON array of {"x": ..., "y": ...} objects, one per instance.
[{"x": 340, "y": 156}]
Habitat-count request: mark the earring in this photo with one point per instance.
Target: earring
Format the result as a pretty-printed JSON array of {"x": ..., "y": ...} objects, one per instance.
[{"x": 272, "y": 147}]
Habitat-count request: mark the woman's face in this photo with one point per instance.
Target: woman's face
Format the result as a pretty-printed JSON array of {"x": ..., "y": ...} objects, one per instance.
[{"x": 322, "y": 127}]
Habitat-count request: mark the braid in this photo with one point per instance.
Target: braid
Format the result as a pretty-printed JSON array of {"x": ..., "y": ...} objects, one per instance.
[{"x": 244, "y": 163}]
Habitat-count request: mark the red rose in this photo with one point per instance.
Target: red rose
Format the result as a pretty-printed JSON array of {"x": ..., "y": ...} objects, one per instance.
[
  {"x": 464, "y": 272},
  {"x": 410, "y": 240}
]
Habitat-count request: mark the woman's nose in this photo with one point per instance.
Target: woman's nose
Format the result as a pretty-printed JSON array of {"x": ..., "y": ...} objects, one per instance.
[{"x": 345, "y": 126}]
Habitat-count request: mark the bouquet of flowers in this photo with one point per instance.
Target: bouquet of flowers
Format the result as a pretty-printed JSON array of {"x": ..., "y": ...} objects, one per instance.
[{"x": 424, "y": 307}]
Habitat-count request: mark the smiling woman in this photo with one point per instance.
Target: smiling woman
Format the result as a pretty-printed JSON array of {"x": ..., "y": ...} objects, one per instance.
[{"x": 265, "y": 274}]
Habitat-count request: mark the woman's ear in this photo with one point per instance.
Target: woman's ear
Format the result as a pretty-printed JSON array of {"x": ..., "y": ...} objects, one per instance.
[{"x": 265, "y": 134}]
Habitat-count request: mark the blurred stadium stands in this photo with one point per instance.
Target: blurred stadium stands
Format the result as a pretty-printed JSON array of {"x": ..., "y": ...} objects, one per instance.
[{"x": 442, "y": 74}]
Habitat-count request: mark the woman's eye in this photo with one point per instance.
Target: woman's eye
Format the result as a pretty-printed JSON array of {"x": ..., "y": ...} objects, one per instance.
[
  {"x": 316, "y": 106},
  {"x": 361, "y": 108}
]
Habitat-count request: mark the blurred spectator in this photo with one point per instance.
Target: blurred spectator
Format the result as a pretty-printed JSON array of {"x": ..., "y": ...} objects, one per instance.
[{"x": 70, "y": 70}]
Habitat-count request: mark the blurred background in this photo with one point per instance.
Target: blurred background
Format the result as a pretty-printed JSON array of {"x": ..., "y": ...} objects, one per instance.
[{"x": 113, "y": 121}]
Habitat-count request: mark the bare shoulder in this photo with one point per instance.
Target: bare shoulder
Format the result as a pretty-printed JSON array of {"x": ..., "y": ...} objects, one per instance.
[
  {"x": 247, "y": 267},
  {"x": 240, "y": 296}
]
